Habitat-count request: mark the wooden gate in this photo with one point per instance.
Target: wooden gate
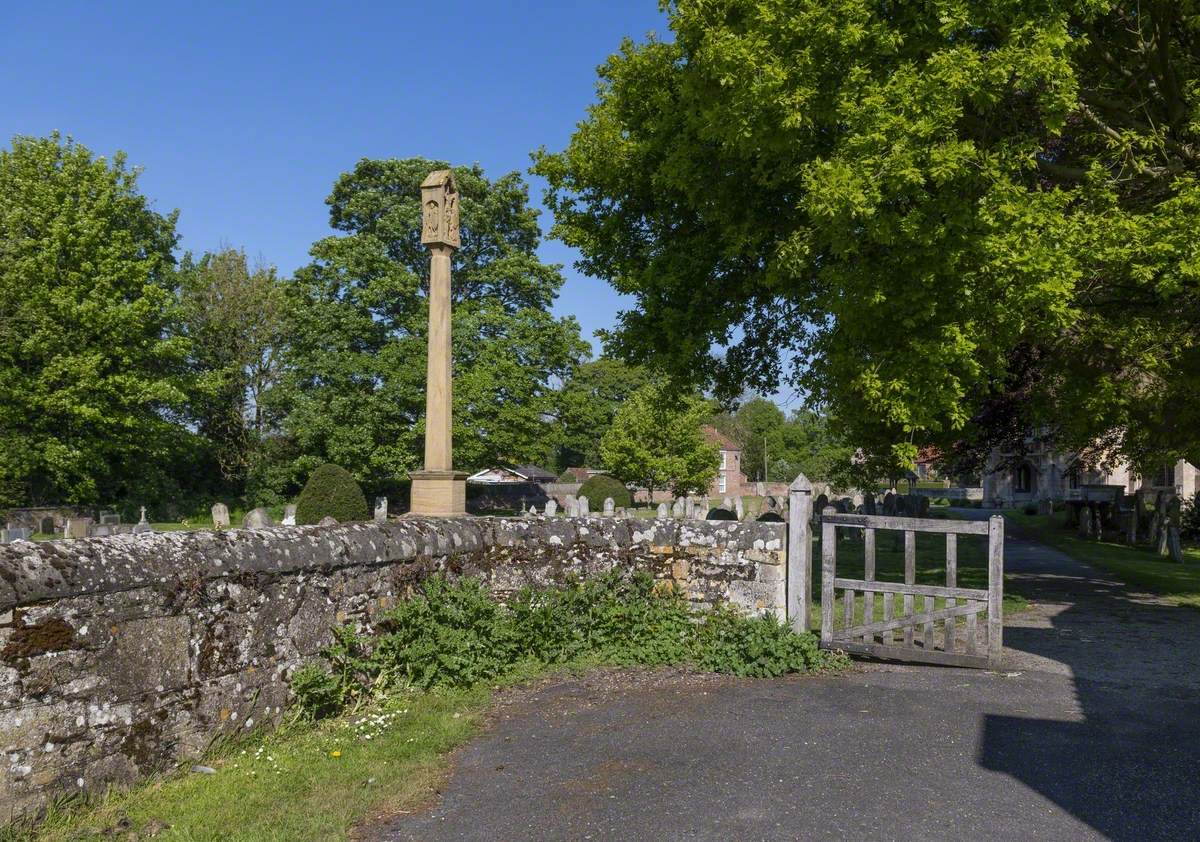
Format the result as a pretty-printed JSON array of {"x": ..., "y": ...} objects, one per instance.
[{"x": 967, "y": 630}]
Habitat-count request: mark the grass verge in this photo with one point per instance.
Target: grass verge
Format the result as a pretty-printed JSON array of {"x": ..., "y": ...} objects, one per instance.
[
  {"x": 301, "y": 782},
  {"x": 1139, "y": 567}
]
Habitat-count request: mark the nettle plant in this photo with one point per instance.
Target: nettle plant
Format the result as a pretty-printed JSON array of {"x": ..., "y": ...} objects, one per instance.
[{"x": 454, "y": 633}]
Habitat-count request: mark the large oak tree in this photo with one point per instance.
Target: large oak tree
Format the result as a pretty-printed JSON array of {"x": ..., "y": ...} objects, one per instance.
[{"x": 953, "y": 221}]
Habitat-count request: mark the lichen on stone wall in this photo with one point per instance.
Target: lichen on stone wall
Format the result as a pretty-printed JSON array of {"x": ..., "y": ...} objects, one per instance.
[{"x": 120, "y": 656}]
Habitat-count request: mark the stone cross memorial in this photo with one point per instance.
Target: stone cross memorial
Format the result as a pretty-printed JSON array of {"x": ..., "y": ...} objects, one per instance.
[{"x": 439, "y": 489}]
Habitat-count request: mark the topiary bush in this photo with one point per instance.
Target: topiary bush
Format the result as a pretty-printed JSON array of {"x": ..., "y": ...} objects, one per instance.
[
  {"x": 600, "y": 487},
  {"x": 331, "y": 492}
]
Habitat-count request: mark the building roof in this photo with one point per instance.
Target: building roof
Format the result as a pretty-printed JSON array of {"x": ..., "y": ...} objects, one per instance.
[
  {"x": 534, "y": 473},
  {"x": 715, "y": 436}
]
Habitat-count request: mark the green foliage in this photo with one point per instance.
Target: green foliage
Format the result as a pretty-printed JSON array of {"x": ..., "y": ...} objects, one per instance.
[
  {"x": 354, "y": 391},
  {"x": 90, "y": 380},
  {"x": 803, "y": 443},
  {"x": 942, "y": 222},
  {"x": 587, "y": 404},
  {"x": 1189, "y": 517},
  {"x": 656, "y": 441},
  {"x": 455, "y": 634},
  {"x": 331, "y": 491},
  {"x": 601, "y": 486}
]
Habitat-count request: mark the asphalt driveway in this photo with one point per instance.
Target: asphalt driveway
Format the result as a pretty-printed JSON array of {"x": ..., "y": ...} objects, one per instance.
[{"x": 1091, "y": 731}]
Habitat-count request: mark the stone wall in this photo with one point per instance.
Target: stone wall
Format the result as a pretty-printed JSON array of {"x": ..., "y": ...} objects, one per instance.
[{"x": 124, "y": 655}]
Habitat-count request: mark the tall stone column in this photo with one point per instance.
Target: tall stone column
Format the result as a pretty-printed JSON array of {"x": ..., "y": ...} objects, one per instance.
[{"x": 439, "y": 490}]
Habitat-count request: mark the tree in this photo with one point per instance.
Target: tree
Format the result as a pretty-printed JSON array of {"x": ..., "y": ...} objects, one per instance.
[
  {"x": 656, "y": 441},
  {"x": 587, "y": 403},
  {"x": 951, "y": 222},
  {"x": 234, "y": 317},
  {"x": 355, "y": 386},
  {"x": 91, "y": 379}
]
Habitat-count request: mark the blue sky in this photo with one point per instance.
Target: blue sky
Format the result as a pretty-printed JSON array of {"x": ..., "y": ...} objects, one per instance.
[{"x": 243, "y": 114}]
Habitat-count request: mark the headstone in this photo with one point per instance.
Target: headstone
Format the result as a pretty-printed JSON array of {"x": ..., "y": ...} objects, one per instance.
[
  {"x": 78, "y": 527},
  {"x": 1131, "y": 527},
  {"x": 677, "y": 508},
  {"x": 258, "y": 518},
  {"x": 889, "y": 504},
  {"x": 109, "y": 518},
  {"x": 1174, "y": 546},
  {"x": 818, "y": 505},
  {"x": 584, "y": 507},
  {"x": 328, "y": 520},
  {"x": 689, "y": 507},
  {"x": 1045, "y": 507},
  {"x": 720, "y": 514},
  {"x": 770, "y": 517},
  {"x": 289, "y": 515},
  {"x": 770, "y": 504},
  {"x": 572, "y": 507},
  {"x": 381, "y": 507},
  {"x": 551, "y": 507},
  {"x": 609, "y": 506},
  {"x": 220, "y": 516},
  {"x": 531, "y": 512},
  {"x": 1085, "y": 522},
  {"x": 101, "y": 530},
  {"x": 662, "y": 512},
  {"x": 727, "y": 503},
  {"x": 142, "y": 525},
  {"x": 739, "y": 508},
  {"x": 869, "y": 504}
]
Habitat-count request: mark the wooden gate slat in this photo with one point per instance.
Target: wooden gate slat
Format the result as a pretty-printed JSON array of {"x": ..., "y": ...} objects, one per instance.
[
  {"x": 848, "y": 608},
  {"x": 929, "y": 603},
  {"x": 970, "y": 647},
  {"x": 869, "y": 575},
  {"x": 968, "y": 610},
  {"x": 910, "y": 578},
  {"x": 886, "y": 637},
  {"x": 828, "y": 555}
]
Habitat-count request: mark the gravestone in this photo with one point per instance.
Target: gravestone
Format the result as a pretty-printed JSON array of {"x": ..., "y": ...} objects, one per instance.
[
  {"x": 101, "y": 530},
  {"x": 220, "y": 516},
  {"x": 609, "y": 506},
  {"x": 677, "y": 508},
  {"x": 1045, "y": 507},
  {"x": 328, "y": 520},
  {"x": 739, "y": 508},
  {"x": 551, "y": 507},
  {"x": 662, "y": 512},
  {"x": 78, "y": 527},
  {"x": 703, "y": 506},
  {"x": 109, "y": 518},
  {"x": 258, "y": 518},
  {"x": 142, "y": 525},
  {"x": 770, "y": 504},
  {"x": 720, "y": 513},
  {"x": 869, "y": 504},
  {"x": 770, "y": 517},
  {"x": 1087, "y": 525},
  {"x": 727, "y": 503},
  {"x": 819, "y": 506},
  {"x": 289, "y": 515},
  {"x": 381, "y": 507},
  {"x": 584, "y": 507},
  {"x": 1131, "y": 527},
  {"x": 889, "y": 504},
  {"x": 572, "y": 507},
  {"x": 1174, "y": 546},
  {"x": 531, "y": 512}
]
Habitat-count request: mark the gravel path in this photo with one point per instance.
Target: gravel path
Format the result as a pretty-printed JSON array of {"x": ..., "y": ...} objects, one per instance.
[{"x": 1091, "y": 731}]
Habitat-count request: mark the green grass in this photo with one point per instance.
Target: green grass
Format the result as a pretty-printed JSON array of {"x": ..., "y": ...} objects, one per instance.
[
  {"x": 1139, "y": 567},
  {"x": 302, "y": 782}
]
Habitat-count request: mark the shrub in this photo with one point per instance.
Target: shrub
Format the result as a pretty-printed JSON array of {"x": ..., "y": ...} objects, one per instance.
[
  {"x": 455, "y": 634},
  {"x": 1189, "y": 517},
  {"x": 331, "y": 492},
  {"x": 601, "y": 487}
]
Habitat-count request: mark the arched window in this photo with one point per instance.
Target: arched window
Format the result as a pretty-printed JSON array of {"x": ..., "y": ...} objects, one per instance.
[{"x": 1023, "y": 479}]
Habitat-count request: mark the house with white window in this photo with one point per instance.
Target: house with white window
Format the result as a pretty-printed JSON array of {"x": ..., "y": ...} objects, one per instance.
[{"x": 730, "y": 481}]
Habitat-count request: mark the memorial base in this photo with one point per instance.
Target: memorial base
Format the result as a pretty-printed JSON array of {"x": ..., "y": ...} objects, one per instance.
[{"x": 438, "y": 493}]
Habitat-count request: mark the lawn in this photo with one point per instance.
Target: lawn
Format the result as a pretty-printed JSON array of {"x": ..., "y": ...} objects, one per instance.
[
  {"x": 1139, "y": 567},
  {"x": 302, "y": 782}
]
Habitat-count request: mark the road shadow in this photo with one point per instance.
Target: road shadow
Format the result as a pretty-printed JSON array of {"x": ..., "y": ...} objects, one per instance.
[{"x": 1128, "y": 764}]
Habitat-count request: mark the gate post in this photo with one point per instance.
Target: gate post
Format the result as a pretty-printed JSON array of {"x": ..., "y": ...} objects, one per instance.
[
  {"x": 995, "y": 590},
  {"x": 799, "y": 554}
]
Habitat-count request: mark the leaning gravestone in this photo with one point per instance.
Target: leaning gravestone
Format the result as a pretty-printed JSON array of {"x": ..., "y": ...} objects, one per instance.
[
  {"x": 609, "y": 506},
  {"x": 258, "y": 518},
  {"x": 289, "y": 515},
  {"x": 381, "y": 510},
  {"x": 78, "y": 527},
  {"x": 662, "y": 512},
  {"x": 551, "y": 507},
  {"x": 220, "y": 516}
]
